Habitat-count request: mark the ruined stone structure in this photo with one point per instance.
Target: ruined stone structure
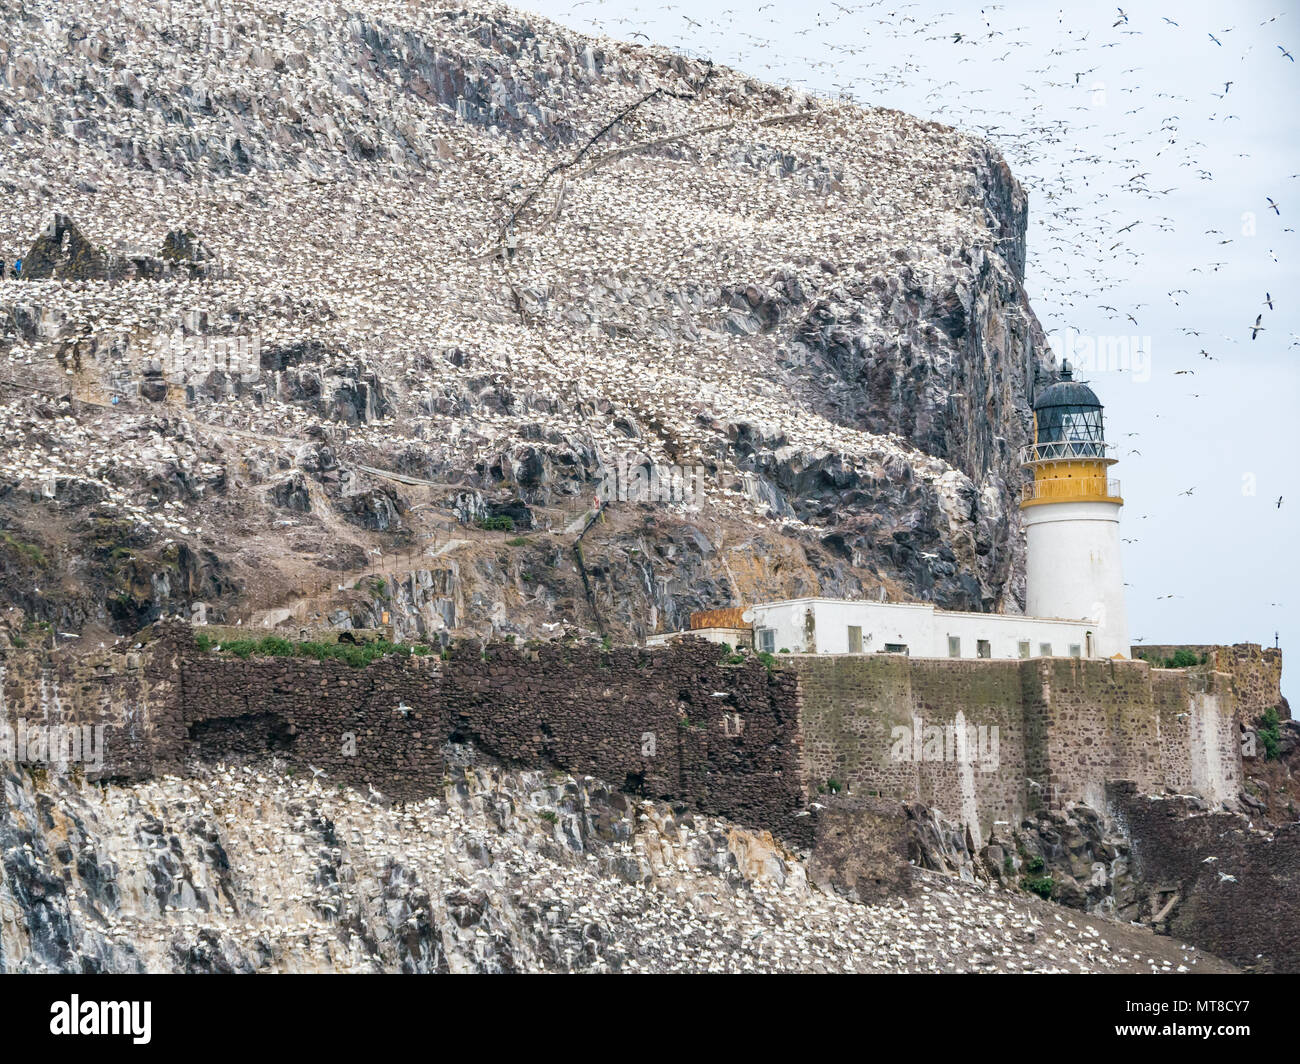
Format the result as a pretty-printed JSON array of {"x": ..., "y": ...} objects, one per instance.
[
  {"x": 678, "y": 724},
  {"x": 1255, "y": 671},
  {"x": 981, "y": 741}
]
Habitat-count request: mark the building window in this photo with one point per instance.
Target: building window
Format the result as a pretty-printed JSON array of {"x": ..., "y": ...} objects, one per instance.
[
  {"x": 765, "y": 640},
  {"x": 1044, "y": 650},
  {"x": 954, "y": 646},
  {"x": 895, "y": 648},
  {"x": 983, "y": 648},
  {"x": 1023, "y": 647},
  {"x": 1076, "y": 651},
  {"x": 855, "y": 639}
]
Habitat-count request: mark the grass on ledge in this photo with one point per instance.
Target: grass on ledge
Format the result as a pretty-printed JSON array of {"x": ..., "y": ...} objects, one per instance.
[{"x": 271, "y": 646}]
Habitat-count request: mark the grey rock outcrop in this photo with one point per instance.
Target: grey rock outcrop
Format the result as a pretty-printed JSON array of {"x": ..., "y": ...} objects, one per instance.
[{"x": 243, "y": 869}]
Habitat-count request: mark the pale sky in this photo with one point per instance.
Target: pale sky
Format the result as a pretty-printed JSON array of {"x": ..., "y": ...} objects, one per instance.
[{"x": 1109, "y": 117}]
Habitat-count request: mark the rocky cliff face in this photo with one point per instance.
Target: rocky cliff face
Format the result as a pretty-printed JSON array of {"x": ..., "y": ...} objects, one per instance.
[
  {"x": 427, "y": 273},
  {"x": 247, "y": 869}
]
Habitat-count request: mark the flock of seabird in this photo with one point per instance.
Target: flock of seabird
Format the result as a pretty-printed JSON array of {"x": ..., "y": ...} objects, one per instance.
[
  {"x": 258, "y": 868},
  {"x": 601, "y": 300}
]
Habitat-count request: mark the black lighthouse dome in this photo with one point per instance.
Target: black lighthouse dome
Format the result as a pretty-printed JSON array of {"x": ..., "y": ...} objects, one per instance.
[{"x": 1067, "y": 419}]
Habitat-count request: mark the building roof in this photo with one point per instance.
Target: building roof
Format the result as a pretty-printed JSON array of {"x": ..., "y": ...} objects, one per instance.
[
  {"x": 937, "y": 610},
  {"x": 728, "y": 618},
  {"x": 1066, "y": 391}
]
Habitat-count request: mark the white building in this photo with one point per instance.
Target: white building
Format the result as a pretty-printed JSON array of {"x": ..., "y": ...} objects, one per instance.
[{"x": 843, "y": 626}]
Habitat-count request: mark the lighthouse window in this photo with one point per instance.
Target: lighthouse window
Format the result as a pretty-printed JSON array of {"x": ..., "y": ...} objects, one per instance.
[
  {"x": 1023, "y": 647},
  {"x": 954, "y": 646},
  {"x": 983, "y": 648},
  {"x": 1068, "y": 431},
  {"x": 1085, "y": 425}
]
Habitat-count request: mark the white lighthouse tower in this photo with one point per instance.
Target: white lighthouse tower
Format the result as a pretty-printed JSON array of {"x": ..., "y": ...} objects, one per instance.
[{"x": 1071, "y": 517}]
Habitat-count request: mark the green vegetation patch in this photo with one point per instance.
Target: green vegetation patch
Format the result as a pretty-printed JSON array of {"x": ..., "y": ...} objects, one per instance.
[
  {"x": 1182, "y": 658},
  {"x": 28, "y": 551},
  {"x": 1040, "y": 885},
  {"x": 271, "y": 646},
  {"x": 1268, "y": 728}
]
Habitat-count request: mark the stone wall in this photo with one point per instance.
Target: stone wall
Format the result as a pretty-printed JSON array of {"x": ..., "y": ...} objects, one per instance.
[
  {"x": 983, "y": 742},
  {"x": 1255, "y": 671},
  {"x": 862, "y": 716},
  {"x": 1064, "y": 727},
  {"x": 1183, "y": 854},
  {"x": 1101, "y": 723},
  {"x": 763, "y": 748},
  {"x": 674, "y": 724},
  {"x": 116, "y": 690}
]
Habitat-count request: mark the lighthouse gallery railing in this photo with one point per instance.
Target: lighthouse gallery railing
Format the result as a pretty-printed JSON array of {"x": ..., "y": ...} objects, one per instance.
[
  {"x": 1066, "y": 450},
  {"x": 1080, "y": 488}
]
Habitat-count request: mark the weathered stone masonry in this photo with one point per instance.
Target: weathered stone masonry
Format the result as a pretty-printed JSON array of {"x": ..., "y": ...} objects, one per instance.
[
  {"x": 736, "y": 740},
  {"x": 1256, "y": 673},
  {"x": 675, "y": 724},
  {"x": 1065, "y": 728},
  {"x": 678, "y": 725},
  {"x": 740, "y": 741}
]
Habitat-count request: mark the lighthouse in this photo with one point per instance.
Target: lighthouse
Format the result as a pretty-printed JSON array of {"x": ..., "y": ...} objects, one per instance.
[{"x": 1071, "y": 517}]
